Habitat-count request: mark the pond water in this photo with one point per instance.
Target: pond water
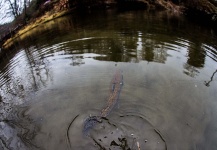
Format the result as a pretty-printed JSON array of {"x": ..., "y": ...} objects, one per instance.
[{"x": 60, "y": 73}]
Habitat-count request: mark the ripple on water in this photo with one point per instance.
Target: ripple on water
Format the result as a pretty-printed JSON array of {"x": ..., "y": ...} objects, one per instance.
[
  {"x": 123, "y": 131},
  {"x": 69, "y": 72}
]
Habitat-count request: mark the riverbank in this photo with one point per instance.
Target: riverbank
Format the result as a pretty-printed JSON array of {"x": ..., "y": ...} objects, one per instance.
[
  {"x": 45, "y": 18},
  {"x": 202, "y": 10},
  {"x": 46, "y": 11}
]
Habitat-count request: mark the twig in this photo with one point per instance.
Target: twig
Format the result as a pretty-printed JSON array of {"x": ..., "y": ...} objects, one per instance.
[{"x": 67, "y": 132}]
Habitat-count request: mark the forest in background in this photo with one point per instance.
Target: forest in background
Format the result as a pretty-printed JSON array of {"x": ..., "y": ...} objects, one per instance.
[{"x": 27, "y": 11}]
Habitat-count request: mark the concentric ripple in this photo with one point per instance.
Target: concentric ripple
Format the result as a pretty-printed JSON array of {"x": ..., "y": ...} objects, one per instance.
[
  {"x": 57, "y": 75},
  {"x": 123, "y": 132}
]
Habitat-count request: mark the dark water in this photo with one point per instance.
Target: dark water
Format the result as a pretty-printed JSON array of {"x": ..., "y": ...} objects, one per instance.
[{"x": 60, "y": 73}]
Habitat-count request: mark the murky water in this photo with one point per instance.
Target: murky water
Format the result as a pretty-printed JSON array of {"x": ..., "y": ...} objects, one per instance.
[{"x": 60, "y": 73}]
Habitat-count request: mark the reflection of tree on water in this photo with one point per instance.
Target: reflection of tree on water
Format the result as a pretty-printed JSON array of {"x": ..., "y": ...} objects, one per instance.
[
  {"x": 196, "y": 55},
  {"x": 39, "y": 67},
  {"x": 77, "y": 61},
  {"x": 153, "y": 51},
  {"x": 211, "y": 79},
  {"x": 190, "y": 70},
  {"x": 24, "y": 73},
  {"x": 18, "y": 76},
  {"x": 142, "y": 47},
  {"x": 196, "y": 59},
  {"x": 16, "y": 79},
  {"x": 11, "y": 90}
]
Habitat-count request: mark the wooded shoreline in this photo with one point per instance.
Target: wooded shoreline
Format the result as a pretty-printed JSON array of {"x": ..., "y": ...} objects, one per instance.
[{"x": 201, "y": 10}]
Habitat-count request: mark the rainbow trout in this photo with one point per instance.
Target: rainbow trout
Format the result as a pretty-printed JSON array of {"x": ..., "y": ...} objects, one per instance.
[{"x": 116, "y": 85}]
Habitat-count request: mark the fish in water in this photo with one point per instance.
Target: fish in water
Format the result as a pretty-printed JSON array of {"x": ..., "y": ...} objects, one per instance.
[{"x": 116, "y": 86}]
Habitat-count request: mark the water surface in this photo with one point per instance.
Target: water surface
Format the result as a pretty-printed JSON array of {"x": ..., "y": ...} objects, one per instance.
[{"x": 60, "y": 73}]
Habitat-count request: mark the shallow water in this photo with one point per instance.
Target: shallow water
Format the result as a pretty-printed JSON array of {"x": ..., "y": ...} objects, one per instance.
[{"x": 60, "y": 73}]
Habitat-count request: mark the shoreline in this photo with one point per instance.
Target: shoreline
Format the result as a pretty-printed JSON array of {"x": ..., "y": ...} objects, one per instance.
[
  {"x": 39, "y": 21},
  {"x": 205, "y": 11}
]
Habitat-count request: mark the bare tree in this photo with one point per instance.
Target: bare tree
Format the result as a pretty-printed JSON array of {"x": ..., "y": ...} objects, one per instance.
[
  {"x": 13, "y": 7},
  {"x": 16, "y": 6}
]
